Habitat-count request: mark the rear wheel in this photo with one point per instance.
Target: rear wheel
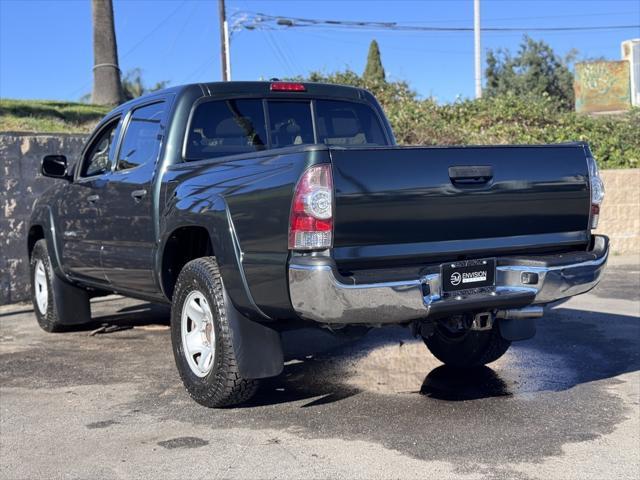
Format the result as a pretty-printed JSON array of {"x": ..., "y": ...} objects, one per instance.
[
  {"x": 202, "y": 340},
  {"x": 466, "y": 348}
]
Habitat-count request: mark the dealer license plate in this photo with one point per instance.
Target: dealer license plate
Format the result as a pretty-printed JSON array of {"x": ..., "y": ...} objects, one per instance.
[{"x": 468, "y": 274}]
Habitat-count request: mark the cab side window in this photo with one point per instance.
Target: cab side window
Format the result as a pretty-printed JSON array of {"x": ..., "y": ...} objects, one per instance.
[
  {"x": 98, "y": 158},
  {"x": 141, "y": 143}
]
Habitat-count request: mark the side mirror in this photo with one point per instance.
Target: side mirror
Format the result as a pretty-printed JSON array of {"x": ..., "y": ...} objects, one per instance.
[{"x": 55, "y": 166}]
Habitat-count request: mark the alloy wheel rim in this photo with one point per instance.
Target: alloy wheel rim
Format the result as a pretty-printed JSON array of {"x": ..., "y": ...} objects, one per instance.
[
  {"x": 198, "y": 334},
  {"x": 41, "y": 287}
]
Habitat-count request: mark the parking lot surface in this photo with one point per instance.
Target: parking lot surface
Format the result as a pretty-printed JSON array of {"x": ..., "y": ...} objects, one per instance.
[{"x": 563, "y": 405}]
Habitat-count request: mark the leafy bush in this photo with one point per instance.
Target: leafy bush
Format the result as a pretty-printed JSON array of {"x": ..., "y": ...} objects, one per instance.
[{"x": 614, "y": 140}]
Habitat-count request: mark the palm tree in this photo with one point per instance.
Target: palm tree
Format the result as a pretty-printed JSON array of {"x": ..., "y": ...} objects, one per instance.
[{"x": 107, "y": 89}]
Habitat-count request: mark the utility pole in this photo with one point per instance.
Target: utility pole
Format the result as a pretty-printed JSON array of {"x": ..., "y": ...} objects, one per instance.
[
  {"x": 224, "y": 42},
  {"x": 476, "y": 45}
]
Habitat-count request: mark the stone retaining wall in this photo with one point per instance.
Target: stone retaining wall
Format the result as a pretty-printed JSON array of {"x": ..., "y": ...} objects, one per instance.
[{"x": 20, "y": 185}]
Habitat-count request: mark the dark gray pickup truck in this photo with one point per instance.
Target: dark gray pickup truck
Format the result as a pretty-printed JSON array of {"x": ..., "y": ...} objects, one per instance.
[{"x": 256, "y": 207}]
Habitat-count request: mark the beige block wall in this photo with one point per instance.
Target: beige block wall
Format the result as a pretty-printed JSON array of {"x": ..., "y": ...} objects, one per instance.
[{"x": 620, "y": 212}]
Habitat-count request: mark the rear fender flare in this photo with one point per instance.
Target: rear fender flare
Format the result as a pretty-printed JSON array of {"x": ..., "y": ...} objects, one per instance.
[
  {"x": 257, "y": 347},
  {"x": 213, "y": 214}
]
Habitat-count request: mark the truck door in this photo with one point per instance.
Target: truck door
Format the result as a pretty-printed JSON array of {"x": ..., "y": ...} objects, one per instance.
[
  {"x": 79, "y": 223},
  {"x": 127, "y": 212}
]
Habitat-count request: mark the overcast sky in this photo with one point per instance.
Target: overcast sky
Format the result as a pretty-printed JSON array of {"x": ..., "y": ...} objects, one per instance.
[{"x": 46, "y": 52}]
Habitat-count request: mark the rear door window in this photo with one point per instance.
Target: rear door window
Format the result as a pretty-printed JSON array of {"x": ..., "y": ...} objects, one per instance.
[
  {"x": 347, "y": 123},
  {"x": 226, "y": 127},
  {"x": 141, "y": 143},
  {"x": 290, "y": 123}
]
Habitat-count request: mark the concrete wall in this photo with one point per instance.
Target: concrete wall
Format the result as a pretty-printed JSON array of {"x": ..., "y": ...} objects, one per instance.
[
  {"x": 21, "y": 183},
  {"x": 620, "y": 213}
]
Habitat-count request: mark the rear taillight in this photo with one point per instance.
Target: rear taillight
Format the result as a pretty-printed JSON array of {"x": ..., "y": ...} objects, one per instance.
[
  {"x": 597, "y": 191},
  {"x": 311, "y": 223}
]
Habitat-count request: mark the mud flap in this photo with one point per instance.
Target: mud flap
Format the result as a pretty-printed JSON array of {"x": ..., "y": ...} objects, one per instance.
[
  {"x": 71, "y": 303},
  {"x": 257, "y": 347},
  {"x": 517, "y": 329}
]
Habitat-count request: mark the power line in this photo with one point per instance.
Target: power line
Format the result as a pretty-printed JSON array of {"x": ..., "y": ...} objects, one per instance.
[
  {"x": 154, "y": 29},
  {"x": 268, "y": 42},
  {"x": 279, "y": 54},
  {"x": 292, "y": 56},
  {"x": 199, "y": 70},
  {"x": 257, "y": 20},
  {"x": 181, "y": 30},
  {"x": 543, "y": 17},
  {"x": 138, "y": 43},
  {"x": 387, "y": 46}
]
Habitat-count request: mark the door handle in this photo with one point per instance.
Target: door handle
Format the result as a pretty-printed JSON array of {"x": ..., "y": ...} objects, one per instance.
[
  {"x": 470, "y": 175},
  {"x": 93, "y": 198},
  {"x": 138, "y": 195}
]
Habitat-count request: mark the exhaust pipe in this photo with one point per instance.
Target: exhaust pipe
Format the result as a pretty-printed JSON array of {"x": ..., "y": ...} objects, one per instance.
[{"x": 520, "y": 313}]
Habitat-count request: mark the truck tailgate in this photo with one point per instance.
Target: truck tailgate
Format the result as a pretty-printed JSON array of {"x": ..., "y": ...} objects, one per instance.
[{"x": 415, "y": 204}]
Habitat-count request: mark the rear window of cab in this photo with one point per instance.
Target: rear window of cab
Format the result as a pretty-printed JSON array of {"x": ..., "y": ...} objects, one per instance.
[{"x": 228, "y": 127}]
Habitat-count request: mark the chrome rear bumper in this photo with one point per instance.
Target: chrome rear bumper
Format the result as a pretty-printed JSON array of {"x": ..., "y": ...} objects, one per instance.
[{"x": 318, "y": 292}]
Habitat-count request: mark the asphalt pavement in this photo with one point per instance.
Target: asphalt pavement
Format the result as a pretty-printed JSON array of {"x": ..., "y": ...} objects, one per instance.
[{"x": 563, "y": 405}]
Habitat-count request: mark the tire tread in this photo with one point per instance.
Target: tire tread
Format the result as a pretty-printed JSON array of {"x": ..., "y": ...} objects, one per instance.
[
  {"x": 228, "y": 386},
  {"x": 49, "y": 322},
  {"x": 473, "y": 350}
]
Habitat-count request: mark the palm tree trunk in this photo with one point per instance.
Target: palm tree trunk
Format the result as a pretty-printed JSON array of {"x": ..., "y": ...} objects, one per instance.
[{"x": 107, "y": 89}]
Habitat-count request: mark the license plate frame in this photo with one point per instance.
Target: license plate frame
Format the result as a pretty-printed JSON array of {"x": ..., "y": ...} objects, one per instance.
[{"x": 468, "y": 275}]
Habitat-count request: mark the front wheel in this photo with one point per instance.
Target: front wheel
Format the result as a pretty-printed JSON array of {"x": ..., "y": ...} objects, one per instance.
[
  {"x": 202, "y": 340},
  {"x": 57, "y": 303},
  {"x": 468, "y": 348},
  {"x": 42, "y": 289}
]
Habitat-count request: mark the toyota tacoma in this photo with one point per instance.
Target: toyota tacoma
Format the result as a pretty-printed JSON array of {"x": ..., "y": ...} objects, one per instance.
[{"x": 257, "y": 207}]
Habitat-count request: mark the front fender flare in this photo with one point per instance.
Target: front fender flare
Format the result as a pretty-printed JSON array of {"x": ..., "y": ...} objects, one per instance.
[{"x": 42, "y": 216}]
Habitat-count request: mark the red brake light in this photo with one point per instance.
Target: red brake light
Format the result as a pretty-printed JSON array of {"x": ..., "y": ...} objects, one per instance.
[
  {"x": 311, "y": 223},
  {"x": 288, "y": 87}
]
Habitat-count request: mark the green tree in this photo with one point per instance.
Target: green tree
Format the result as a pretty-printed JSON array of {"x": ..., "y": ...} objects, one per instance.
[
  {"x": 133, "y": 86},
  {"x": 374, "y": 71},
  {"x": 535, "y": 70}
]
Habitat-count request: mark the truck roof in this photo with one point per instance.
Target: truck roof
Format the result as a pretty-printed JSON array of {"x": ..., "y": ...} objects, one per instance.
[{"x": 262, "y": 88}]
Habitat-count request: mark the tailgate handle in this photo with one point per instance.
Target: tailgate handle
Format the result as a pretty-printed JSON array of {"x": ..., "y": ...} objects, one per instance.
[{"x": 471, "y": 175}]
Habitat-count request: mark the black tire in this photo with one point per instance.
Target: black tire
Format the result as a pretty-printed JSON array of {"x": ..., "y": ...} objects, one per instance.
[
  {"x": 468, "y": 349},
  {"x": 47, "y": 319},
  {"x": 223, "y": 385}
]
